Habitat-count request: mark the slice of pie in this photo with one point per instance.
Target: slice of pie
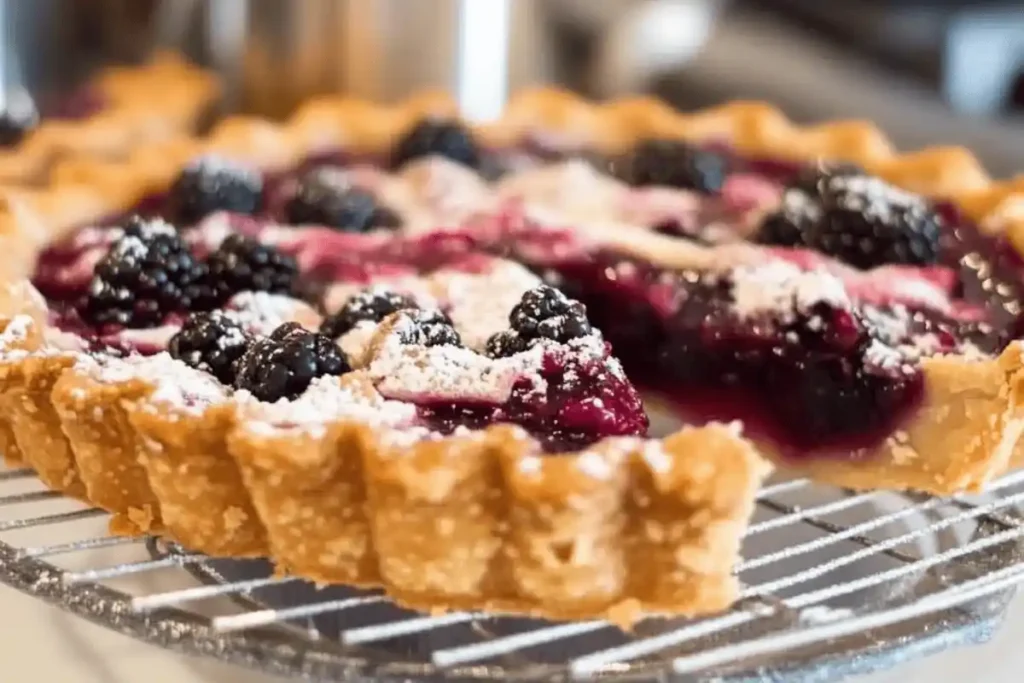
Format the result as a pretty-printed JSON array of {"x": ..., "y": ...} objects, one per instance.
[
  {"x": 386, "y": 350},
  {"x": 117, "y": 110}
]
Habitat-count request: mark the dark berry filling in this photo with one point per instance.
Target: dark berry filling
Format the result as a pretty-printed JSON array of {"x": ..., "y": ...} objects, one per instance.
[
  {"x": 282, "y": 365},
  {"x": 810, "y": 383},
  {"x": 583, "y": 401}
]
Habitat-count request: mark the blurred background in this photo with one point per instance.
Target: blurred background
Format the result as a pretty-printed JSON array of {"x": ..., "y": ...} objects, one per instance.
[{"x": 927, "y": 71}]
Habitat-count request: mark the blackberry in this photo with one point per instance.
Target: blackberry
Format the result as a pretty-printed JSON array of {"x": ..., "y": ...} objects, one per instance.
[
  {"x": 210, "y": 185},
  {"x": 429, "y": 137},
  {"x": 793, "y": 223},
  {"x": 242, "y": 264},
  {"x": 427, "y": 328},
  {"x": 673, "y": 163},
  {"x": 17, "y": 118},
  {"x": 324, "y": 197},
  {"x": 373, "y": 305},
  {"x": 210, "y": 342},
  {"x": 147, "y": 274},
  {"x": 282, "y": 365},
  {"x": 546, "y": 313},
  {"x": 868, "y": 223},
  {"x": 504, "y": 344}
]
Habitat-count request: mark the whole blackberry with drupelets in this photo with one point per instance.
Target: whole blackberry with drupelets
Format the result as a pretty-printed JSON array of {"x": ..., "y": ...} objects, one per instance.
[
  {"x": 282, "y": 365},
  {"x": 211, "y": 342}
]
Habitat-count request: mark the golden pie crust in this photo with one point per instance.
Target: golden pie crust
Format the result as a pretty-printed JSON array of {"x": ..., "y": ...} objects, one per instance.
[
  {"x": 475, "y": 522},
  {"x": 485, "y": 521},
  {"x": 165, "y": 98}
]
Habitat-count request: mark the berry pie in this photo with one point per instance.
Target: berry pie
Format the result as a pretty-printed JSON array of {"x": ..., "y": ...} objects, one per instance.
[
  {"x": 387, "y": 349},
  {"x": 115, "y": 111}
]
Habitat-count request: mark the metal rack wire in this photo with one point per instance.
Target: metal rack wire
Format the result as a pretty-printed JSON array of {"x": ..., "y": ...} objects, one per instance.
[{"x": 836, "y": 582}]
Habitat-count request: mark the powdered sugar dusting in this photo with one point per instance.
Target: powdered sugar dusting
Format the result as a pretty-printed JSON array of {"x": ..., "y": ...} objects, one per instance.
[
  {"x": 212, "y": 230},
  {"x": 329, "y": 399},
  {"x": 445, "y": 190},
  {"x": 874, "y": 197},
  {"x": 128, "y": 247},
  {"x": 151, "y": 337},
  {"x": 174, "y": 382},
  {"x": 449, "y": 373},
  {"x": 575, "y": 189},
  {"x": 217, "y": 164},
  {"x": 260, "y": 313},
  {"x": 17, "y": 330},
  {"x": 479, "y": 304},
  {"x": 892, "y": 344},
  {"x": 796, "y": 202},
  {"x": 418, "y": 287},
  {"x": 781, "y": 288}
]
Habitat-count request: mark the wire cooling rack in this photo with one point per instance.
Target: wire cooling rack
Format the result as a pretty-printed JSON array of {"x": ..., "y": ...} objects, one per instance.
[{"x": 837, "y": 583}]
